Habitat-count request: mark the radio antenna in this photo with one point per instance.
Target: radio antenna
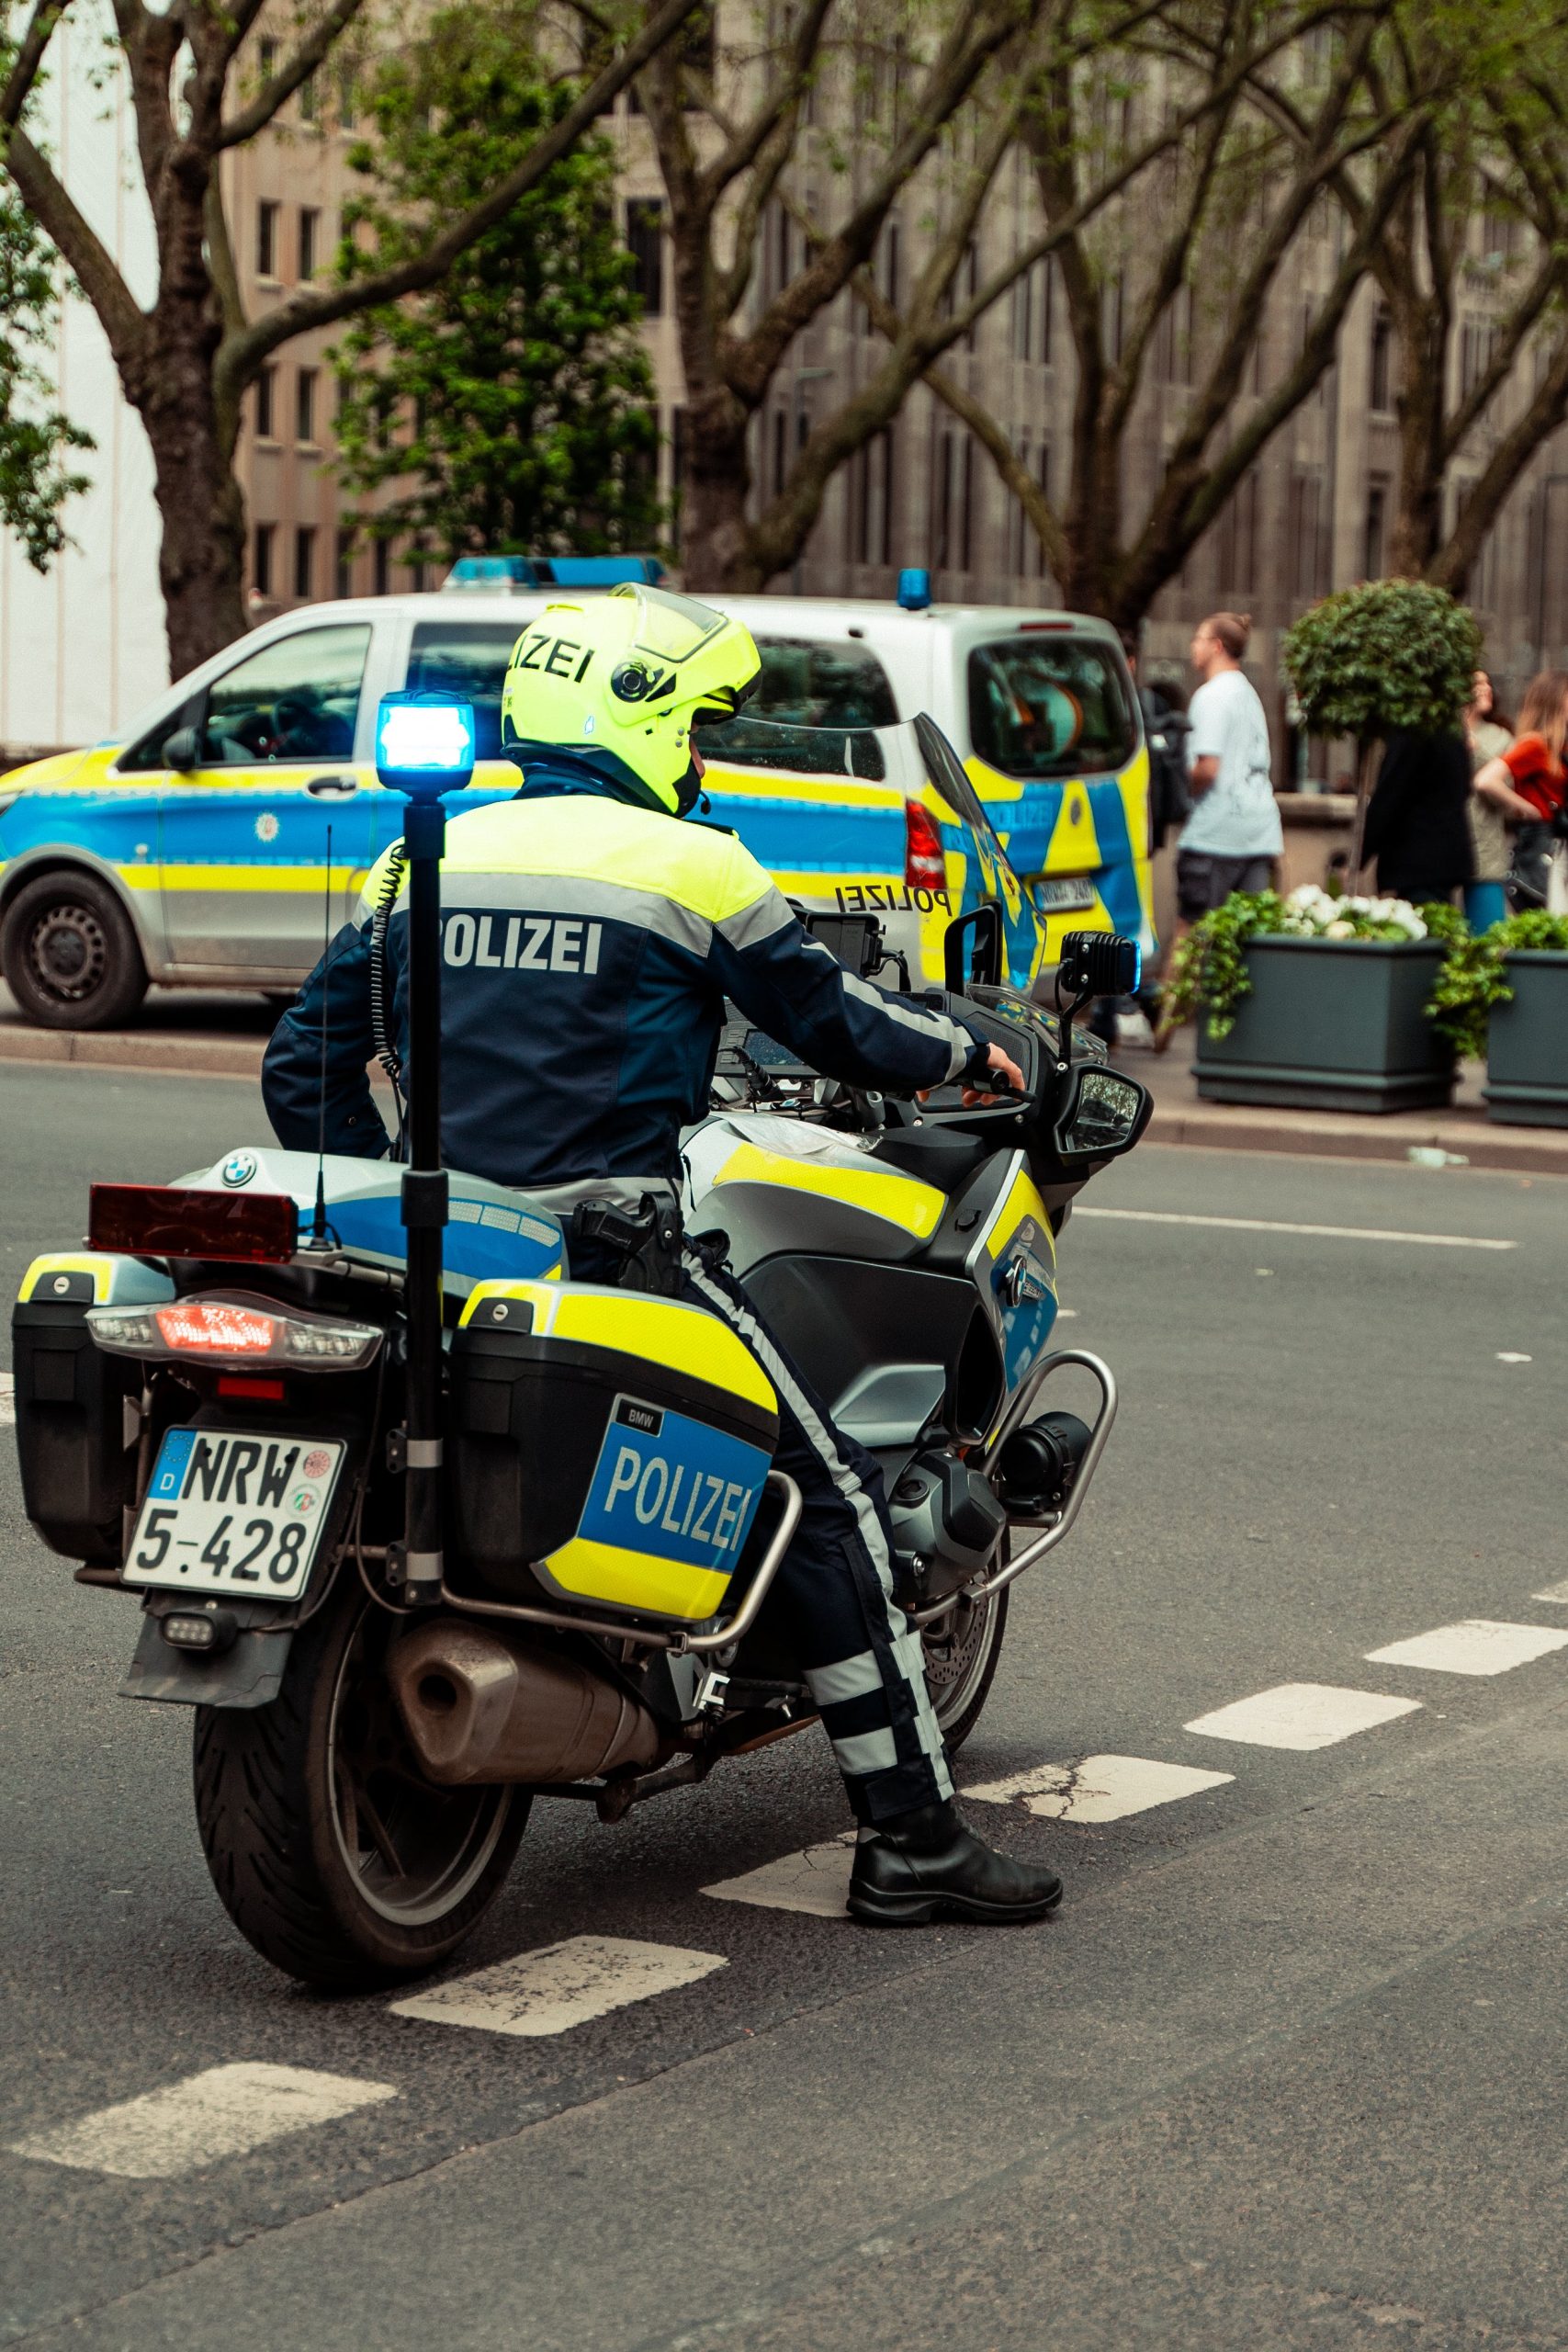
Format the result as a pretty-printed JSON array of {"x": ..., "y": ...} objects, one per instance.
[{"x": 320, "y": 1238}]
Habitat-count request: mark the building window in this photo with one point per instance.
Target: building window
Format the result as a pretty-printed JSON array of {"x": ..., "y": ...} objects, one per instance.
[
  {"x": 304, "y": 559},
  {"x": 884, "y": 276},
  {"x": 307, "y": 100},
  {"x": 416, "y": 574},
  {"x": 1032, "y": 304},
  {"x": 1112, "y": 314},
  {"x": 261, "y": 558},
  {"x": 677, "y": 474},
  {"x": 310, "y": 240},
  {"x": 266, "y": 54},
  {"x": 954, "y": 486},
  {"x": 343, "y": 582},
  {"x": 348, "y": 101},
  {"x": 1237, "y": 533},
  {"x": 266, "y": 238},
  {"x": 266, "y": 422},
  {"x": 870, "y": 502},
  {"x": 1377, "y": 526},
  {"x": 1305, "y": 536},
  {"x": 1380, "y": 394},
  {"x": 645, "y": 242},
  {"x": 305, "y": 405},
  {"x": 383, "y": 567}
]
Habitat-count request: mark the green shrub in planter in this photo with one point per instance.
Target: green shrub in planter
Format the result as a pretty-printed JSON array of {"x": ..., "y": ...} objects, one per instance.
[
  {"x": 1506, "y": 995},
  {"x": 1317, "y": 1003}
]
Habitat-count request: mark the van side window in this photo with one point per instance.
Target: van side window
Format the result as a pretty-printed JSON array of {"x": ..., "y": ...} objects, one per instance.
[
  {"x": 296, "y": 699},
  {"x": 811, "y": 685},
  {"x": 467, "y": 659},
  {"x": 1051, "y": 705}
]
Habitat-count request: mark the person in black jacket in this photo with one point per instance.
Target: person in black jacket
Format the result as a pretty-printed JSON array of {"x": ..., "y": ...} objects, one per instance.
[{"x": 1417, "y": 824}]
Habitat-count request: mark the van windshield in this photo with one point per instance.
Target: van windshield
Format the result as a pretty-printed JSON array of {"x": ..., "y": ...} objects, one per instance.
[{"x": 1046, "y": 705}]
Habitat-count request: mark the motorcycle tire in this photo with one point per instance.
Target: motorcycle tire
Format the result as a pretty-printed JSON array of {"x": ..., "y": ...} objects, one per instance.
[
  {"x": 331, "y": 1852},
  {"x": 70, "y": 953},
  {"x": 963, "y": 1649}
]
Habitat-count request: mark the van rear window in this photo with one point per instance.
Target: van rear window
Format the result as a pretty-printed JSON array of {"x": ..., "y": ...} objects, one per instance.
[{"x": 1050, "y": 706}]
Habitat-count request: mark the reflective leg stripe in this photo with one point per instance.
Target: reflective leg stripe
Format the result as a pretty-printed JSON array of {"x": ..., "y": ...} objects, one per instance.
[{"x": 862, "y": 1752}]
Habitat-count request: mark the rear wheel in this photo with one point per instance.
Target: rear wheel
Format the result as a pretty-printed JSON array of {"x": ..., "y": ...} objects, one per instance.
[
  {"x": 332, "y": 1854},
  {"x": 70, "y": 953},
  {"x": 963, "y": 1648}
]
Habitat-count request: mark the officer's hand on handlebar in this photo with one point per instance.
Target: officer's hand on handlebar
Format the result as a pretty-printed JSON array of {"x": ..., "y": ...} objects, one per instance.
[{"x": 1000, "y": 1059}]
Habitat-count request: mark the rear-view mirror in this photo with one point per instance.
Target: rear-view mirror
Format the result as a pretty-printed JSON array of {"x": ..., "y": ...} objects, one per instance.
[
  {"x": 182, "y": 750},
  {"x": 1106, "y": 1113}
]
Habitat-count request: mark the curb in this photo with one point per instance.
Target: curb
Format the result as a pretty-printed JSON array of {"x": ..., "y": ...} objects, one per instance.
[
  {"x": 1309, "y": 1135},
  {"x": 172, "y": 1056},
  {"x": 1520, "y": 1152}
]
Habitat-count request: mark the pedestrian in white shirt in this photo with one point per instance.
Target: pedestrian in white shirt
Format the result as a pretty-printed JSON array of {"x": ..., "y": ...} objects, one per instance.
[{"x": 1233, "y": 835}]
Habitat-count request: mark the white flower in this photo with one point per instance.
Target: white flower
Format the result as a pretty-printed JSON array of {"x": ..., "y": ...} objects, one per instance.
[{"x": 1341, "y": 931}]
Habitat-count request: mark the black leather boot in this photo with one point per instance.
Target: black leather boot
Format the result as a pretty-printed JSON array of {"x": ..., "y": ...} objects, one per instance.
[{"x": 929, "y": 1865}]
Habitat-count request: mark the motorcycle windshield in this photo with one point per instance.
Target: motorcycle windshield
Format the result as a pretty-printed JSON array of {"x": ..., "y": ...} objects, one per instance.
[{"x": 797, "y": 747}]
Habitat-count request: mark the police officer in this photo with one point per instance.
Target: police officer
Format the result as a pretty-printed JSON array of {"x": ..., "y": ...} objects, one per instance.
[{"x": 589, "y": 944}]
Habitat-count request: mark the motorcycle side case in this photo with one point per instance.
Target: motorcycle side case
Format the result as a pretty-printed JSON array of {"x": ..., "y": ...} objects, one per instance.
[
  {"x": 77, "y": 1474},
  {"x": 608, "y": 1449}
]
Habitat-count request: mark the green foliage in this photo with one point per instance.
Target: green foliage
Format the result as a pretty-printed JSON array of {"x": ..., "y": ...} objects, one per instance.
[
  {"x": 522, "y": 375},
  {"x": 1395, "y": 654},
  {"x": 1209, "y": 968},
  {"x": 1473, "y": 978},
  {"x": 36, "y": 480}
]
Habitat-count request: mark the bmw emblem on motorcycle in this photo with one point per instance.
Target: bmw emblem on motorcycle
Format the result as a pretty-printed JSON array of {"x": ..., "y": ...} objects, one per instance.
[{"x": 238, "y": 1168}]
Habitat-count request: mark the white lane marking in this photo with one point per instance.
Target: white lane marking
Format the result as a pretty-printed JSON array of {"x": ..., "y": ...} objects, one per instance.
[
  {"x": 1301, "y": 1714},
  {"x": 1552, "y": 1592},
  {"x": 816, "y": 1881},
  {"x": 1319, "y": 1232},
  {"x": 560, "y": 1985},
  {"x": 226, "y": 2112},
  {"x": 8, "y": 1398},
  {"x": 1102, "y": 1788},
  {"x": 1507, "y": 1356},
  {"x": 1473, "y": 1645}
]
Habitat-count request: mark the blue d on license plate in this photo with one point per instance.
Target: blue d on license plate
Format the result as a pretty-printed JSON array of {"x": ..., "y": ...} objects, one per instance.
[{"x": 235, "y": 1512}]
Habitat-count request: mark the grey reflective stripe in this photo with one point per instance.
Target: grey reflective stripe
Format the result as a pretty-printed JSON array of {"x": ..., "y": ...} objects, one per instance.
[
  {"x": 574, "y": 894},
  {"x": 867, "y": 1751},
  {"x": 936, "y": 1026},
  {"x": 907, "y": 1648},
  {"x": 763, "y": 919},
  {"x": 852, "y": 1677}
]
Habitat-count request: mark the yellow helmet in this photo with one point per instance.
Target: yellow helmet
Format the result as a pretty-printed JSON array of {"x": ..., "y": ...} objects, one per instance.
[{"x": 619, "y": 681}]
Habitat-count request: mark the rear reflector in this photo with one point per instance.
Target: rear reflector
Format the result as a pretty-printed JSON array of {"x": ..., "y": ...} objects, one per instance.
[
  {"x": 265, "y": 1392},
  {"x": 925, "y": 860},
  {"x": 166, "y": 1221}
]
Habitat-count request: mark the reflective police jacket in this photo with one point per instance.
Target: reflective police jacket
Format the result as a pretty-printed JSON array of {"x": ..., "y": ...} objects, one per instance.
[{"x": 587, "y": 949}]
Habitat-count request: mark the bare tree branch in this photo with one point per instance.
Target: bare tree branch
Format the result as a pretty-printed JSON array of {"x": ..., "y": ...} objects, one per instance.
[
  {"x": 29, "y": 56},
  {"x": 295, "y": 70}
]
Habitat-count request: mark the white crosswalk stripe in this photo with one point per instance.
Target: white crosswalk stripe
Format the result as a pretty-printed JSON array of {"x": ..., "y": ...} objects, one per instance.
[
  {"x": 8, "y": 1399},
  {"x": 816, "y": 1881},
  {"x": 550, "y": 1990},
  {"x": 1473, "y": 1645},
  {"x": 1102, "y": 1788},
  {"x": 226, "y": 2112},
  {"x": 1552, "y": 1592},
  {"x": 1301, "y": 1714}
]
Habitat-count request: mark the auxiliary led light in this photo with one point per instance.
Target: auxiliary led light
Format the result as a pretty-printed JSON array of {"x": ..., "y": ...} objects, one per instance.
[{"x": 424, "y": 735}]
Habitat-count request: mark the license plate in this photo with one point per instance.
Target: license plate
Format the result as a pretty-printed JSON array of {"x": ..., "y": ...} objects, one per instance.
[
  {"x": 233, "y": 1511},
  {"x": 1064, "y": 897}
]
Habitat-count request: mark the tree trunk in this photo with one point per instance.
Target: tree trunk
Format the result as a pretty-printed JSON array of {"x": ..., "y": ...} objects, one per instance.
[
  {"x": 202, "y": 555},
  {"x": 1423, "y": 446},
  {"x": 716, "y": 551}
]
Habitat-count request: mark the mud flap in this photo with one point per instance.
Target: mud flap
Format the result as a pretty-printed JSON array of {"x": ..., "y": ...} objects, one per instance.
[{"x": 248, "y": 1674}]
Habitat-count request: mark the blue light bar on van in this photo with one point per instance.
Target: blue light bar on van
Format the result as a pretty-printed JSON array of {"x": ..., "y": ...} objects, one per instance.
[
  {"x": 509, "y": 573},
  {"x": 423, "y": 735},
  {"x": 914, "y": 590}
]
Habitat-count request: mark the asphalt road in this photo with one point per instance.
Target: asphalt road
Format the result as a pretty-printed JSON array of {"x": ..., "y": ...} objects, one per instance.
[{"x": 1287, "y": 2071}]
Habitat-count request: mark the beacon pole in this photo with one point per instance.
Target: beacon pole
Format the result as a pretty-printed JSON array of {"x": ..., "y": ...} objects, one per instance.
[{"x": 425, "y": 749}]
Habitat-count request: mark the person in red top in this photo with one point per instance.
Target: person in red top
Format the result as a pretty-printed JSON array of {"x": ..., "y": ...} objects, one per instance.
[{"x": 1528, "y": 782}]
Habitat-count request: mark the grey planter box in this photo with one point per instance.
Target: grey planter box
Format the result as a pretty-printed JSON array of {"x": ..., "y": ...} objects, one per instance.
[
  {"x": 1526, "y": 1049},
  {"x": 1331, "y": 1024}
]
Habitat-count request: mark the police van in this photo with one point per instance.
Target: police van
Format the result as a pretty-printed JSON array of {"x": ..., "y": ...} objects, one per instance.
[{"x": 241, "y": 811}]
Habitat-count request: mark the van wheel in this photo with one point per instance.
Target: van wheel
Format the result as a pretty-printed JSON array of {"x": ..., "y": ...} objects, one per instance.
[{"x": 70, "y": 954}]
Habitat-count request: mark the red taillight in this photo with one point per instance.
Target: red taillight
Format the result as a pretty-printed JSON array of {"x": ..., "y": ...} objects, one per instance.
[
  {"x": 213, "y": 1326},
  {"x": 925, "y": 860},
  {"x": 166, "y": 1221}
]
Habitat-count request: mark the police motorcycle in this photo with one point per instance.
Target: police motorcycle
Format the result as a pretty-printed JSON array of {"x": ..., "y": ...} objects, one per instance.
[{"x": 422, "y": 1530}]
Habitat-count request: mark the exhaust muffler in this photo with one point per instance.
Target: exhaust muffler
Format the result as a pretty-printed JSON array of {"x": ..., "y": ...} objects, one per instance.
[{"x": 482, "y": 1705}]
